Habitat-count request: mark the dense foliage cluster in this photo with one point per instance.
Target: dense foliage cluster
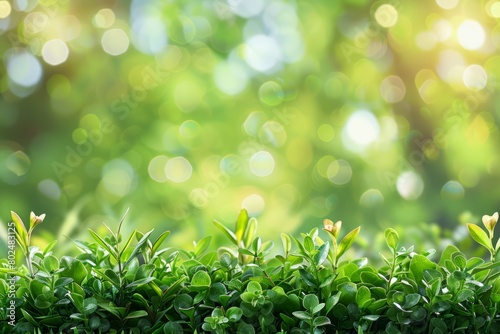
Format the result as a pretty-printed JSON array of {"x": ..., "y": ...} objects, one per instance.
[
  {"x": 114, "y": 286},
  {"x": 289, "y": 109}
]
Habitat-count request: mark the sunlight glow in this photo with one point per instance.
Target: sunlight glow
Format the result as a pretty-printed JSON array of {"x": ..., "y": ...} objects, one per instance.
[
  {"x": 254, "y": 204},
  {"x": 262, "y": 164},
  {"x": 178, "y": 169},
  {"x": 393, "y": 89},
  {"x": 23, "y": 68},
  {"x": 471, "y": 35},
  {"x": 447, "y": 4},
  {"x": 360, "y": 131},
  {"x": 262, "y": 53},
  {"x": 5, "y": 9},
  {"x": 104, "y": 18},
  {"x": 115, "y": 42},
  {"x": 475, "y": 77},
  {"x": 386, "y": 15},
  {"x": 410, "y": 185},
  {"x": 495, "y": 9},
  {"x": 339, "y": 172},
  {"x": 55, "y": 52}
]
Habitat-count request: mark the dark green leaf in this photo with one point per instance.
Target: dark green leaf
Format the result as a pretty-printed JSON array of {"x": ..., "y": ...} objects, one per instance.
[
  {"x": 321, "y": 321},
  {"x": 322, "y": 254},
  {"x": 411, "y": 300},
  {"x": 89, "y": 306},
  {"x": 464, "y": 295},
  {"x": 310, "y": 302},
  {"x": 302, "y": 315},
  {"x": 136, "y": 314},
  {"x": 137, "y": 248},
  {"x": 362, "y": 296}
]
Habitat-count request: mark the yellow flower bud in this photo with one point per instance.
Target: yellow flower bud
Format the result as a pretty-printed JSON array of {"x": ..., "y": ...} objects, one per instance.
[
  {"x": 490, "y": 222},
  {"x": 35, "y": 220},
  {"x": 332, "y": 228}
]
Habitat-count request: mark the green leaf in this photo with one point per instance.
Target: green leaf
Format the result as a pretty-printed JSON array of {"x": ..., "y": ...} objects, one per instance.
[
  {"x": 464, "y": 295},
  {"x": 89, "y": 306},
  {"x": 287, "y": 243},
  {"x": 302, "y": 315},
  {"x": 411, "y": 300},
  {"x": 310, "y": 302},
  {"x": 201, "y": 279},
  {"x": 308, "y": 244},
  {"x": 256, "y": 244},
  {"x": 103, "y": 243},
  {"x": 418, "y": 265},
  {"x": 141, "y": 281},
  {"x": 459, "y": 260},
  {"x": 245, "y": 252},
  {"x": 391, "y": 238},
  {"x": 480, "y": 236},
  {"x": 136, "y": 314},
  {"x": 159, "y": 241},
  {"x": 42, "y": 302},
  {"x": 202, "y": 245},
  {"x": 322, "y": 254},
  {"x": 49, "y": 247},
  {"x": 300, "y": 245},
  {"x": 447, "y": 253},
  {"x": 172, "y": 328},
  {"x": 137, "y": 248},
  {"x": 50, "y": 263},
  {"x": 486, "y": 266},
  {"x": 234, "y": 314},
  {"x": 127, "y": 244},
  {"x": 241, "y": 225},
  {"x": 227, "y": 232},
  {"x": 362, "y": 296},
  {"x": 21, "y": 232},
  {"x": 347, "y": 241},
  {"x": 254, "y": 287},
  {"x": 332, "y": 301},
  {"x": 321, "y": 321},
  {"x": 73, "y": 268},
  {"x": 250, "y": 231}
]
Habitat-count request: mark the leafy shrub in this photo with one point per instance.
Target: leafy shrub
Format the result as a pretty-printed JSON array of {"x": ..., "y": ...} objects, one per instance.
[{"x": 133, "y": 285}]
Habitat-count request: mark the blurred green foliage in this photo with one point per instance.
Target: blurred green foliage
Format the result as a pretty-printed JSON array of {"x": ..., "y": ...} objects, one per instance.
[{"x": 377, "y": 113}]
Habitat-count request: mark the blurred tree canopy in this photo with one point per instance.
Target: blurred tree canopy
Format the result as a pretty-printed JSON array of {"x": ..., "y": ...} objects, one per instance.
[{"x": 377, "y": 113}]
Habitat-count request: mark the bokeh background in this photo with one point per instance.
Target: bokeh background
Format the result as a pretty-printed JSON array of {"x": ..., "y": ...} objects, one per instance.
[{"x": 376, "y": 113}]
